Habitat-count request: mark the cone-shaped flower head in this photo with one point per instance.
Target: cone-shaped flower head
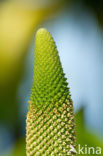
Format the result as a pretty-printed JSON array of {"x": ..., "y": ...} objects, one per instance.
[{"x": 50, "y": 121}]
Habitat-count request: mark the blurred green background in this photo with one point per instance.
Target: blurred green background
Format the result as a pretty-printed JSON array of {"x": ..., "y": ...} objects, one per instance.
[{"x": 77, "y": 28}]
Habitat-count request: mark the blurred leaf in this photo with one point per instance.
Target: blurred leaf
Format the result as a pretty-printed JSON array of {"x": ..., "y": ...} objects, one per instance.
[
  {"x": 19, "y": 149},
  {"x": 97, "y": 8},
  {"x": 84, "y": 137}
]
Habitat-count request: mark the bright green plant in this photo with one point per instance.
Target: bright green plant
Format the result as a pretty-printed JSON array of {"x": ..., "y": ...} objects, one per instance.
[{"x": 50, "y": 126}]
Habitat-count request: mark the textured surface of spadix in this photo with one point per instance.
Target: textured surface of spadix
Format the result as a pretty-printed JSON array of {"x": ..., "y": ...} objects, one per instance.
[
  {"x": 49, "y": 81},
  {"x": 50, "y": 121}
]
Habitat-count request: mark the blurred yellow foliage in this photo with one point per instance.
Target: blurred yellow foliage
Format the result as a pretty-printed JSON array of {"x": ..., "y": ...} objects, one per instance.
[{"x": 17, "y": 23}]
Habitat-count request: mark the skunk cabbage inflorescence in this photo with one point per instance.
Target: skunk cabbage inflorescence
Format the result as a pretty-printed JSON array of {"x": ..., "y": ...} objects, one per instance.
[{"x": 50, "y": 129}]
